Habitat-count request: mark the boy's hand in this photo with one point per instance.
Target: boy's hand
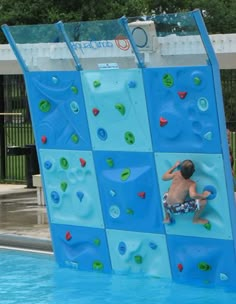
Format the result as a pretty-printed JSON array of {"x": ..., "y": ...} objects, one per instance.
[
  {"x": 177, "y": 163},
  {"x": 206, "y": 193}
]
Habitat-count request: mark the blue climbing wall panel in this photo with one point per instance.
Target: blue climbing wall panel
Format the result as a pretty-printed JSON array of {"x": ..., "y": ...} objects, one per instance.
[{"x": 104, "y": 139}]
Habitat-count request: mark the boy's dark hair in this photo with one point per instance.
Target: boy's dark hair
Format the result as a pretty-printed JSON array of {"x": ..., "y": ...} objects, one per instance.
[{"x": 187, "y": 168}]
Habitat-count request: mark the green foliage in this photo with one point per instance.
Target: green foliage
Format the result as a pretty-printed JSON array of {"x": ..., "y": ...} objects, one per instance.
[{"x": 219, "y": 15}]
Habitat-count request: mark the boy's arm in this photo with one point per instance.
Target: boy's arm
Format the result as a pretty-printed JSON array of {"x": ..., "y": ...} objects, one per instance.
[
  {"x": 169, "y": 174},
  {"x": 195, "y": 195}
]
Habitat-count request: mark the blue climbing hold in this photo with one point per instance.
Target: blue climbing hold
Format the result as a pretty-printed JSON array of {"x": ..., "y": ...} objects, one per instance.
[
  {"x": 122, "y": 248},
  {"x": 55, "y": 197},
  {"x": 211, "y": 189},
  {"x": 80, "y": 195}
]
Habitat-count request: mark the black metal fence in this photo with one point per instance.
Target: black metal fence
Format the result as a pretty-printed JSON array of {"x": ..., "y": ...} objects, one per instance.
[
  {"x": 16, "y": 138},
  {"x": 17, "y": 151}
]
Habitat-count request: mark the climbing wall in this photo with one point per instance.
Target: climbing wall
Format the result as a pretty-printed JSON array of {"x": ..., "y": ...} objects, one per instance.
[{"x": 104, "y": 139}]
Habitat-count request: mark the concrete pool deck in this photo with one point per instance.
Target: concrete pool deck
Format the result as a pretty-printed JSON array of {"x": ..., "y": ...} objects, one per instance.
[{"x": 23, "y": 223}]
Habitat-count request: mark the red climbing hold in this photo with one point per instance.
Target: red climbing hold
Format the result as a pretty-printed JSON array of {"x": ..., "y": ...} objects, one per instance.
[
  {"x": 163, "y": 122},
  {"x": 95, "y": 111},
  {"x": 142, "y": 194},
  {"x": 68, "y": 236},
  {"x": 180, "y": 267},
  {"x": 82, "y": 162},
  {"x": 182, "y": 95},
  {"x": 44, "y": 139}
]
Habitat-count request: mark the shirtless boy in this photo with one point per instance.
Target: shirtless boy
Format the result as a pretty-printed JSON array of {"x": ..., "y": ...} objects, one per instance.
[{"x": 182, "y": 196}]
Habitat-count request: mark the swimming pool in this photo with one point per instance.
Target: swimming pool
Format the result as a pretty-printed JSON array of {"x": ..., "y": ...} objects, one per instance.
[{"x": 34, "y": 278}]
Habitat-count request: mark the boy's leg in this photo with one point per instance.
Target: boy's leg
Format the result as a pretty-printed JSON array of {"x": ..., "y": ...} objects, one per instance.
[
  {"x": 167, "y": 218},
  {"x": 198, "y": 212}
]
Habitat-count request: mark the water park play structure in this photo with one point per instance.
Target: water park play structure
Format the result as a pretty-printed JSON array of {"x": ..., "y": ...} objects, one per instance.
[{"x": 110, "y": 115}]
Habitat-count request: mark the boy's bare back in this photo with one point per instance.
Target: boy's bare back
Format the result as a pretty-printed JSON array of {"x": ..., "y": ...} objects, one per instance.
[{"x": 179, "y": 189}]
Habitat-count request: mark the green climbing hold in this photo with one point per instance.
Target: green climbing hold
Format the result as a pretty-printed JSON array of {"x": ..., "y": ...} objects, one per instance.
[
  {"x": 96, "y": 83},
  {"x": 125, "y": 174},
  {"x": 64, "y": 163},
  {"x": 97, "y": 242},
  {"x": 197, "y": 81},
  {"x": 130, "y": 211},
  {"x": 168, "y": 80},
  {"x": 204, "y": 266},
  {"x": 44, "y": 105},
  {"x": 63, "y": 186},
  {"x": 129, "y": 138},
  {"x": 138, "y": 259},
  {"x": 110, "y": 162},
  {"x": 121, "y": 108},
  {"x": 207, "y": 226},
  {"x": 97, "y": 265},
  {"x": 74, "y": 89},
  {"x": 75, "y": 138}
]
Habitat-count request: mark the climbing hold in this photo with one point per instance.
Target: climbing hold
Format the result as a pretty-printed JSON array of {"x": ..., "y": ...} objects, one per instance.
[
  {"x": 207, "y": 226},
  {"x": 44, "y": 139},
  {"x": 208, "y": 136},
  {"x": 110, "y": 162},
  {"x": 75, "y": 138},
  {"x": 112, "y": 193},
  {"x": 97, "y": 242},
  {"x": 74, "y": 107},
  {"x": 95, "y": 111},
  {"x": 63, "y": 186},
  {"x": 55, "y": 197},
  {"x": 202, "y": 104},
  {"x": 223, "y": 277},
  {"x": 55, "y": 79},
  {"x": 211, "y": 189},
  {"x": 125, "y": 174},
  {"x": 80, "y": 195},
  {"x": 122, "y": 248},
  {"x": 132, "y": 84},
  {"x": 180, "y": 267},
  {"x": 74, "y": 89},
  {"x": 121, "y": 108},
  {"x": 163, "y": 121},
  {"x": 82, "y": 162},
  {"x": 96, "y": 83},
  {"x": 142, "y": 194},
  {"x": 182, "y": 95},
  {"x": 129, "y": 138},
  {"x": 102, "y": 134},
  {"x": 47, "y": 164},
  {"x": 153, "y": 246},
  {"x": 44, "y": 105},
  {"x": 204, "y": 266},
  {"x": 97, "y": 265},
  {"x": 138, "y": 259},
  {"x": 197, "y": 81},
  {"x": 68, "y": 236},
  {"x": 130, "y": 211},
  {"x": 64, "y": 163},
  {"x": 168, "y": 80},
  {"x": 114, "y": 211}
]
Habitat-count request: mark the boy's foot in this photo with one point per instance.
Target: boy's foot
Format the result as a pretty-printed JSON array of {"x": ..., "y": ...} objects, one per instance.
[
  {"x": 166, "y": 221},
  {"x": 200, "y": 221}
]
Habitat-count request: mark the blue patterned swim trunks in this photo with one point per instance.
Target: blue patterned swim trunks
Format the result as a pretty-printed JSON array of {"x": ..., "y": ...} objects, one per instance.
[{"x": 179, "y": 208}]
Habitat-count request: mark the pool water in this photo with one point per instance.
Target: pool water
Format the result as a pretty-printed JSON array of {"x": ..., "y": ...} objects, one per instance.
[{"x": 36, "y": 279}]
